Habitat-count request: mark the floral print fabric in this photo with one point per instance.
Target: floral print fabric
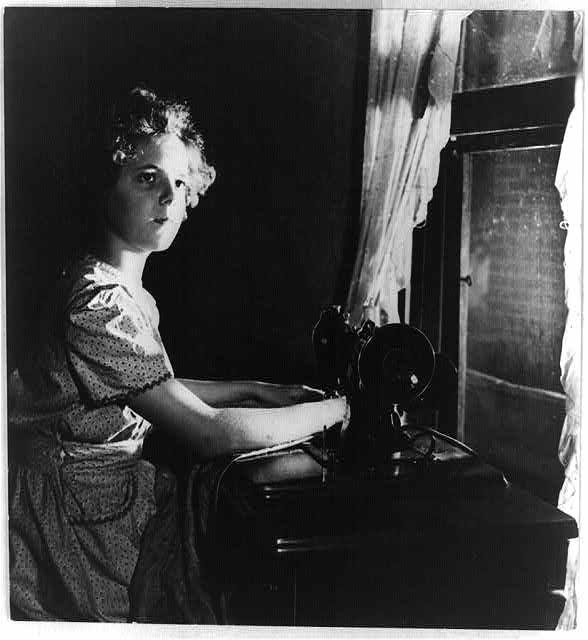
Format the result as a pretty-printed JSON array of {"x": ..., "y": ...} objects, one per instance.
[{"x": 80, "y": 496}]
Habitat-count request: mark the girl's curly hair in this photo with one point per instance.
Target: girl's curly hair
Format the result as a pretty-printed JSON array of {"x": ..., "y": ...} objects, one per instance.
[{"x": 142, "y": 113}]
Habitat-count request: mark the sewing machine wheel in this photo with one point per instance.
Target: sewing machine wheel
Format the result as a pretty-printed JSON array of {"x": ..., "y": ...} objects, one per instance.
[{"x": 396, "y": 365}]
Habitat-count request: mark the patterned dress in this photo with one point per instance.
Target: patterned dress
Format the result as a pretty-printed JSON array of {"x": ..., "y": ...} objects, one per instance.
[{"x": 81, "y": 498}]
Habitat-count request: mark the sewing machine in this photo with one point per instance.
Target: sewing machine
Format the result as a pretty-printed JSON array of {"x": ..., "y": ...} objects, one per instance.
[
  {"x": 391, "y": 376},
  {"x": 388, "y": 522}
]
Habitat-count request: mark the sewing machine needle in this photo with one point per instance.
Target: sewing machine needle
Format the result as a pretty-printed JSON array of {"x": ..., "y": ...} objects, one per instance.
[{"x": 324, "y": 454}]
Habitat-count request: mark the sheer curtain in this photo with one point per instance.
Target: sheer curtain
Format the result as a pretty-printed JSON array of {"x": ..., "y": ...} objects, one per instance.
[
  {"x": 411, "y": 78},
  {"x": 569, "y": 182}
]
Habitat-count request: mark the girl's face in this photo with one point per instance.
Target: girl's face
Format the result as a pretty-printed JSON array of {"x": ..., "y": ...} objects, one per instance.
[{"x": 147, "y": 205}]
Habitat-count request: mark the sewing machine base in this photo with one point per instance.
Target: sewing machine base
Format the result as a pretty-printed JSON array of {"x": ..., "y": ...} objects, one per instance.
[{"x": 445, "y": 542}]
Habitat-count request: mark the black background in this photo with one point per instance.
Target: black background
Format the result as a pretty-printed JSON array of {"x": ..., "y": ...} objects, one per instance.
[{"x": 280, "y": 98}]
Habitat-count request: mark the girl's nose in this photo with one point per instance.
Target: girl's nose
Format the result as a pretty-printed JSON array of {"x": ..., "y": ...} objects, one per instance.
[{"x": 166, "y": 194}]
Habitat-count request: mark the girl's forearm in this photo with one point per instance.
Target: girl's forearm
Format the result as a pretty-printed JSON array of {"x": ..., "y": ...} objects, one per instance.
[
  {"x": 256, "y": 428},
  {"x": 213, "y": 432},
  {"x": 220, "y": 393}
]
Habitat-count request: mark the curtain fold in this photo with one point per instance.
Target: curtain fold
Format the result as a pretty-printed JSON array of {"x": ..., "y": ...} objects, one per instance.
[
  {"x": 569, "y": 183},
  {"x": 411, "y": 77}
]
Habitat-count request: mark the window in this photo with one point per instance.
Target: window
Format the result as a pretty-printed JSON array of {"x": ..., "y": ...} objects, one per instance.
[
  {"x": 502, "y": 48},
  {"x": 488, "y": 268},
  {"x": 515, "y": 304}
]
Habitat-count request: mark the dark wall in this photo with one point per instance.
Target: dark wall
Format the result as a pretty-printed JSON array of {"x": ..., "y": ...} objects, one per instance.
[{"x": 280, "y": 96}]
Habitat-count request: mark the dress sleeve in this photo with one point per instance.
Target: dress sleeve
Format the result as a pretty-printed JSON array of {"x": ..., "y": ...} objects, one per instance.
[{"x": 113, "y": 347}]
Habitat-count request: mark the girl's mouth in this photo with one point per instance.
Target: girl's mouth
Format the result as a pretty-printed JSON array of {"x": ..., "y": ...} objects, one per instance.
[{"x": 160, "y": 221}]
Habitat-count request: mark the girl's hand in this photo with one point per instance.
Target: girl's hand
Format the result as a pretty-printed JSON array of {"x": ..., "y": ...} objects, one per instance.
[
  {"x": 284, "y": 395},
  {"x": 347, "y": 416}
]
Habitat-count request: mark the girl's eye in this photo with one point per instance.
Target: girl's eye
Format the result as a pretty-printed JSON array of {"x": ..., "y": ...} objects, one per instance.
[
  {"x": 146, "y": 178},
  {"x": 180, "y": 184}
]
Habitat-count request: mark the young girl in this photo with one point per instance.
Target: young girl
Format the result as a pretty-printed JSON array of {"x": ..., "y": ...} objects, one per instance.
[{"x": 84, "y": 506}]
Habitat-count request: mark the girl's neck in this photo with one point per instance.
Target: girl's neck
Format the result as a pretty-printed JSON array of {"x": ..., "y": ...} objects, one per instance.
[{"x": 129, "y": 262}]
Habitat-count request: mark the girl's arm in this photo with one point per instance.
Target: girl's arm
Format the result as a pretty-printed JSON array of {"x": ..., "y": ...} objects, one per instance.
[
  {"x": 212, "y": 432},
  {"x": 220, "y": 393}
]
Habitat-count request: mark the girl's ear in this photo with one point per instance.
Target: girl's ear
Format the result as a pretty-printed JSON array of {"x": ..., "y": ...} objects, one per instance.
[{"x": 119, "y": 157}]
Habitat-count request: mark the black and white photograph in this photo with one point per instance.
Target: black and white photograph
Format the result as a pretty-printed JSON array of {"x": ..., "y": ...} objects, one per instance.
[{"x": 292, "y": 316}]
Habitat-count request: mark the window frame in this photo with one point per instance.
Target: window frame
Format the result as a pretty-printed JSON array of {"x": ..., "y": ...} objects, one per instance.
[{"x": 515, "y": 116}]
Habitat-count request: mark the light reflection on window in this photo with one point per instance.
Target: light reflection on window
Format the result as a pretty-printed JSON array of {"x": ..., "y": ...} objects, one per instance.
[
  {"x": 510, "y": 47},
  {"x": 516, "y": 308}
]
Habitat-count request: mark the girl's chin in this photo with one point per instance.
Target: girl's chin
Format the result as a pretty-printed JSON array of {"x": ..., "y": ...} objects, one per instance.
[
  {"x": 164, "y": 242},
  {"x": 164, "y": 245}
]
